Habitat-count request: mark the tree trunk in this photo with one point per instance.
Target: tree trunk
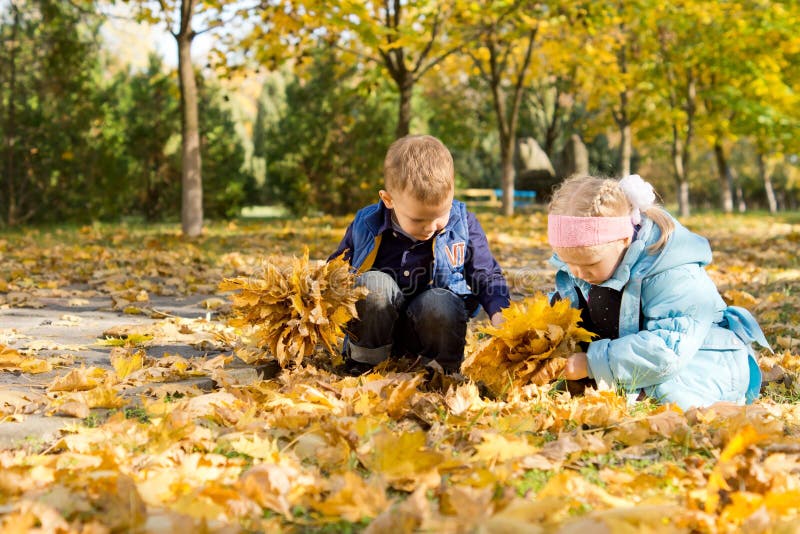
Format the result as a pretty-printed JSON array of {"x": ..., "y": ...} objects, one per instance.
[
  {"x": 741, "y": 203},
  {"x": 679, "y": 170},
  {"x": 10, "y": 128},
  {"x": 506, "y": 153},
  {"x": 725, "y": 178},
  {"x": 625, "y": 149},
  {"x": 507, "y": 116},
  {"x": 772, "y": 202},
  {"x": 507, "y": 180},
  {"x": 623, "y": 122},
  {"x": 507, "y": 142},
  {"x": 191, "y": 164},
  {"x": 683, "y": 198},
  {"x": 404, "y": 110}
]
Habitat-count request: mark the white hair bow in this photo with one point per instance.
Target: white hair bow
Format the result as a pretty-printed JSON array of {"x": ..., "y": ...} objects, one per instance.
[{"x": 640, "y": 194}]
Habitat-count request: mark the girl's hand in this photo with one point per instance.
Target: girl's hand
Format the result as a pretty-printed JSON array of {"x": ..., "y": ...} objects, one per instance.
[
  {"x": 577, "y": 366},
  {"x": 497, "y": 319}
]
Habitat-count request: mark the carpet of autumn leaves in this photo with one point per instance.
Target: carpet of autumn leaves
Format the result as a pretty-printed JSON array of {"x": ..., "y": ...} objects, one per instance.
[{"x": 307, "y": 449}]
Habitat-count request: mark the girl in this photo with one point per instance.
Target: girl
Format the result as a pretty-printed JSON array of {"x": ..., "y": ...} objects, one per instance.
[{"x": 637, "y": 275}]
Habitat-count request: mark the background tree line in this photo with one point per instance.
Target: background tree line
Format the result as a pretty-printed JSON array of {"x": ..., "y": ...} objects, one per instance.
[
  {"x": 698, "y": 95},
  {"x": 86, "y": 139}
]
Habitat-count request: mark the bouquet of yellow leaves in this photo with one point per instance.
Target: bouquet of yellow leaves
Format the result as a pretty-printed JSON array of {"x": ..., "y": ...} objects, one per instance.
[
  {"x": 531, "y": 346},
  {"x": 294, "y": 305}
]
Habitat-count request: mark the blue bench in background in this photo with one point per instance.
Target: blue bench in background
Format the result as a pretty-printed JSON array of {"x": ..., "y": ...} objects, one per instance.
[
  {"x": 521, "y": 197},
  {"x": 492, "y": 198}
]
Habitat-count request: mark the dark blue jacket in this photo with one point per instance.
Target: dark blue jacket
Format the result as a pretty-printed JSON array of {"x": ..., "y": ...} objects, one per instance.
[{"x": 461, "y": 260}]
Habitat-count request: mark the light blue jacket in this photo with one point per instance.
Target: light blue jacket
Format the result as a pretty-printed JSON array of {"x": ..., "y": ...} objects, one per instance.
[{"x": 693, "y": 350}]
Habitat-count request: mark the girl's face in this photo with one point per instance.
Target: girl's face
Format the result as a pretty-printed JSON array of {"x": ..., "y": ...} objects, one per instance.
[
  {"x": 416, "y": 218},
  {"x": 594, "y": 264}
]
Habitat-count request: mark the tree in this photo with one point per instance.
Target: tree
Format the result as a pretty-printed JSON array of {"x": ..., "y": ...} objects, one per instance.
[
  {"x": 326, "y": 151},
  {"x": 679, "y": 34},
  {"x": 504, "y": 35},
  {"x": 179, "y": 17},
  {"x": 148, "y": 105},
  {"x": 620, "y": 60},
  {"x": 406, "y": 39},
  {"x": 48, "y": 90},
  {"x": 747, "y": 87}
]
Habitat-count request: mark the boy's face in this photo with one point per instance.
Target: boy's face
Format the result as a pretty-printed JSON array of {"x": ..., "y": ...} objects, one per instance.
[
  {"x": 594, "y": 264},
  {"x": 416, "y": 218}
]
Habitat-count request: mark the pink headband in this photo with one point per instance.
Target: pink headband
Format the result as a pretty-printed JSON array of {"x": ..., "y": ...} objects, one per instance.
[{"x": 565, "y": 231}]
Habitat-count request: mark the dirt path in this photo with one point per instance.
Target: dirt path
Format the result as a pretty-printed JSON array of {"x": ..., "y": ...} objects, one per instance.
[{"x": 62, "y": 328}]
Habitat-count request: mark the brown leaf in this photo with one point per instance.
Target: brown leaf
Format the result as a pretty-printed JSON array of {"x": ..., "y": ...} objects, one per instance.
[{"x": 76, "y": 380}]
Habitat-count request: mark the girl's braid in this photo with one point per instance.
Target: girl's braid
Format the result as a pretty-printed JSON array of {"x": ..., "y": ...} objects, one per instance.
[{"x": 608, "y": 197}]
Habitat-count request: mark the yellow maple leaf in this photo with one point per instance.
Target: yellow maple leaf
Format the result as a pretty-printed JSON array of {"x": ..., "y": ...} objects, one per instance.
[
  {"x": 499, "y": 448},
  {"x": 35, "y": 366},
  {"x": 353, "y": 499},
  {"x": 735, "y": 297},
  {"x": 717, "y": 481},
  {"x": 124, "y": 362},
  {"x": 9, "y": 357},
  {"x": 277, "y": 486},
  {"x": 404, "y": 459},
  {"x": 104, "y": 397}
]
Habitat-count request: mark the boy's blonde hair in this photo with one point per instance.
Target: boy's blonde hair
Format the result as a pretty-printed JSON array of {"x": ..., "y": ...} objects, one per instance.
[
  {"x": 588, "y": 196},
  {"x": 420, "y": 165}
]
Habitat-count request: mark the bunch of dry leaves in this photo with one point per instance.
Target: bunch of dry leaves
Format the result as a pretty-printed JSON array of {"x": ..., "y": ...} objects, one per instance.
[
  {"x": 295, "y": 305},
  {"x": 530, "y": 347}
]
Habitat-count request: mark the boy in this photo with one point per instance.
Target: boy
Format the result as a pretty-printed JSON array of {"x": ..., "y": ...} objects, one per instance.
[{"x": 424, "y": 259}]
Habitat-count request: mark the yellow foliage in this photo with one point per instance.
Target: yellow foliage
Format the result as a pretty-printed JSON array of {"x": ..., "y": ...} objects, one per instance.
[
  {"x": 295, "y": 306},
  {"x": 531, "y": 346}
]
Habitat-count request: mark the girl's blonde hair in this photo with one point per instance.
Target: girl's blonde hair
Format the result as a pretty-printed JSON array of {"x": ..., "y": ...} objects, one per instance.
[{"x": 588, "y": 196}]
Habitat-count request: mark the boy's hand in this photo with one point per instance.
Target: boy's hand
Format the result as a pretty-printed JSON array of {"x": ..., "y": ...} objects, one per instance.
[
  {"x": 577, "y": 366},
  {"x": 497, "y": 319}
]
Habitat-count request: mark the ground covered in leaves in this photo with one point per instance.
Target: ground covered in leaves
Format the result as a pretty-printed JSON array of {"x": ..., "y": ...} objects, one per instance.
[{"x": 309, "y": 449}]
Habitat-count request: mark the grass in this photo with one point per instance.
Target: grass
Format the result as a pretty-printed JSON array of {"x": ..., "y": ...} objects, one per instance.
[{"x": 532, "y": 481}]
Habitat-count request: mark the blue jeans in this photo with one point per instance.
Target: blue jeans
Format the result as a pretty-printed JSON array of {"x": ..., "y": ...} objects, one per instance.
[{"x": 433, "y": 324}]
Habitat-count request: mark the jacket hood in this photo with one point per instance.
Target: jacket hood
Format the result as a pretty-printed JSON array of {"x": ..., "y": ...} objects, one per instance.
[{"x": 683, "y": 247}]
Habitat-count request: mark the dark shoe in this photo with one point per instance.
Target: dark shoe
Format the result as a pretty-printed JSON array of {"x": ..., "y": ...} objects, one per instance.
[
  {"x": 441, "y": 379},
  {"x": 354, "y": 368}
]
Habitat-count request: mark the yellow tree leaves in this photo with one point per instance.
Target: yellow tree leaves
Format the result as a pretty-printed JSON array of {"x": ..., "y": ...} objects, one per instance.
[
  {"x": 531, "y": 346},
  {"x": 296, "y": 305}
]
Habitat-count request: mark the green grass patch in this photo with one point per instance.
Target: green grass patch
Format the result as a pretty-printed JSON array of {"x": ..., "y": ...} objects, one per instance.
[{"x": 532, "y": 481}]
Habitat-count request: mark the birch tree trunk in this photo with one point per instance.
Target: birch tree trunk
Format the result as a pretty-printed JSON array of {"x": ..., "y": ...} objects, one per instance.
[
  {"x": 767, "y": 179},
  {"x": 725, "y": 178}
]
